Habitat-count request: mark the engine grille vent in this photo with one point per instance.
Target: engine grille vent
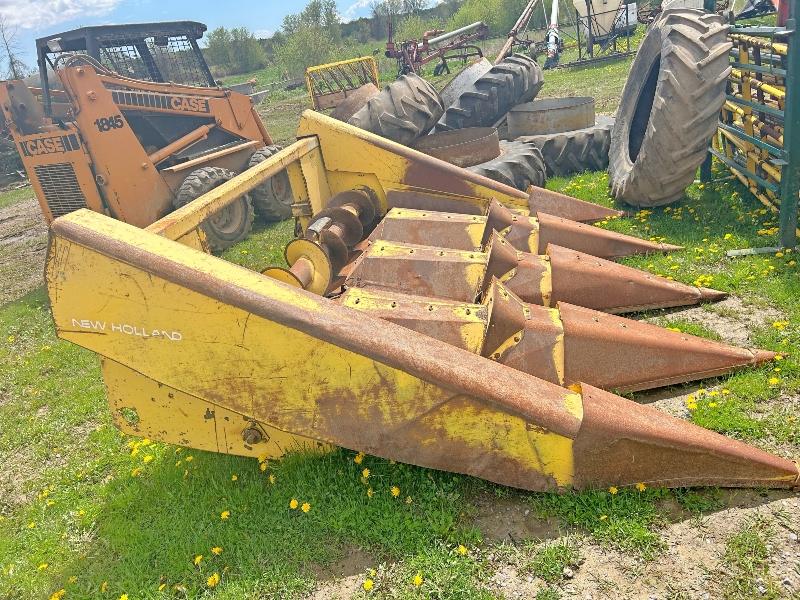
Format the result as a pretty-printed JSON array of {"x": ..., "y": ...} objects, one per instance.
[{"x": 60, "y": 187}]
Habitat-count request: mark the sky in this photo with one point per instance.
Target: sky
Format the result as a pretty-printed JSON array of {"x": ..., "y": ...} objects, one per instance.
[{"x": 36, "y": 18}]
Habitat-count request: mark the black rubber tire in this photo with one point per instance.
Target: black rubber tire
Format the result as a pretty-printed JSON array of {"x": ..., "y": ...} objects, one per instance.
[
  {"x": 577, "y": 150},
  {"x": 516, "y": 79},
  {"x": 404, "y": 110},
  {"x": 228, "y": 226},
  {"x": 272, "y": 199},
  {"x": 669, "y": 107},
  {"x": 519, "y": 165}
]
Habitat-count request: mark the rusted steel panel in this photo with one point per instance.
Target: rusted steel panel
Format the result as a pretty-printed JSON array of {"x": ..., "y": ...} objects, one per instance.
[
  {"x": 612, "y": 352},
  {"x": 461, "y": 147},
  {"x": 593, "y": 240},
  {"x": 593, "y": 282},
  {"x": 420, "y": 270},
  {"x": 452, "y": 230},
  {"x": 457, "y": 323},
  {"x": 553, "y": 203},
  {"x": 425, "y": 200},
  {"x": 626, "y": 447}
]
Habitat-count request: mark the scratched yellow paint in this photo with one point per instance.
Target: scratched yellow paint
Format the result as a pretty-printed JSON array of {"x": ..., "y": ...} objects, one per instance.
[
  {"x": 474, "y": 225},
  {"x": 172, "y": 416},
  {"x": 546, "y": 283},
  {"x": 558, "y": 347},
  {"x": 254, "y": 366},
  {"x": 346, "y": 148}
]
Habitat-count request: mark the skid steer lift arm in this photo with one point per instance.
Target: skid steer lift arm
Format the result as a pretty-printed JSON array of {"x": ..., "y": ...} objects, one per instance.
[{"x": 211, "y": 355}]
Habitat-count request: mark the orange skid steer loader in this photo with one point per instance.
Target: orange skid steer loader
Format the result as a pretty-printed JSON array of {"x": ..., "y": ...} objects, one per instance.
[{"x": 129, "y": 122}]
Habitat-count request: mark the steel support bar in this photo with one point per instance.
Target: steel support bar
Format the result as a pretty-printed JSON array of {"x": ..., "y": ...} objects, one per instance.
[
  {"x": 755, "y": 106},
  {"x": 187, "y": 218},
  {"x": 774, "y": 150},
  {"x": 759, "y": 69},
  {"x": 744, "y": 171},
  {"x": 790, "y": 180}
]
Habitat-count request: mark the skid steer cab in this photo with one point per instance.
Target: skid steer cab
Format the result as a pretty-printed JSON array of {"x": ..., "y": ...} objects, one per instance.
[{"x": 127, "y": 121}]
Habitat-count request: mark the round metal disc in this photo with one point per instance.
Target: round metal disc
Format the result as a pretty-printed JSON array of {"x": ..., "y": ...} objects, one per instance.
[
  {"x": 284, "y": 275},
  {"x": 337, "y": 251},
  {"x": 352, "y": 229},
  {"x": 323, "y": 271},
  {"x": 359, "y": 198}
]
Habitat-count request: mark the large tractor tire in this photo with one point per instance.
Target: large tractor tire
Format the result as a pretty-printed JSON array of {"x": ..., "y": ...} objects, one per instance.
[
  {"x": 272, "y": 199},
  {"x": 514, "y": 80},
  {"x": 577, "y": 150},
  {"x": 519, "y": 165},
  {"x": 226, "y": 227},
  {"x": 669, "y": 107},
  {"x": 404, "y": 110}
]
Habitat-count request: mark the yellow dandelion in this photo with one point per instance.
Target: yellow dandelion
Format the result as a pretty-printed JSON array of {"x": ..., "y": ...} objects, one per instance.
[
  {"x": 136, "y": 472},
  {"x": 395, "y": 491},
  {"x": 641, "y": 487},
  {"x": 272, "y": 478},
  {"x": 262, "y": 466},
  {"x": 213, "y": 580},
  {"x": 774, "y": 381},
  {"x": 197, "y": 559},
  {"x": 225, "y": 515},
  {"x": 306, "y": 507},
  {"x": 365, "y": 473},
  {"x": 727, "y": 236},
  {"x": 417, "y": 581},
  {"x": 358, "y": 458},
  {"x": 31, "y": 525},
  {"x": 147, "y": 458},
  {"x": 234, "y": 477},
  {"x": 189, "y": 458},
  {"x": 712, "y": 405},
  {"x": 123, "y": 597},
  {"x": 725, "y": 392},
  {"x": 293, "y": 503},
  {"x": 462, "y": 549},
  {"x": 613, "y": 490},
  {"x": 179, "y": 463},
  {"x": 42, "y": 567},
  {"x": 104, "y": 587},
  {"x": 370, "y": 493},
  {"x": 262, "y": 458},
  {"x": 368, "y": 585},
  {"x": 58, "y": 595},
  {"x": 603, "y": 517},
  {"x": 779, "y": 357},
  {"x": 216, "y": 550},
  {"x": 161, "y": 587}
]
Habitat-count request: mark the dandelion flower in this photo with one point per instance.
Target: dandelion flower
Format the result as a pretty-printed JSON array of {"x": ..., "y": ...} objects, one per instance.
[
  {"x": 213, "y": 580},
  {"x": 774, "y": 381},
  {"x": 272, "y": 478},
  {"x": 123, "y": 597},
  {"x": 395, "y": 491},
  {"x": 368, "y": 584},
  {"x": 293, "y": 504},
  {"x": 262, "y": 466},
  {"x": 197, "y": 559},
  {"x": 161, "y": 587},
  {"x": 42, "y": 567},
  {"x": 225, "y": 515},
  {"x": 104, "y": 587},
  {"x": 216, "y": 550},
  {"x": 147, "y": 458},
  {"x": 306, "y": 507},
  {"x": 641, "y": 487},
  {"x": 728, "y": 236},
  {"x": 234, "y": 477},
  {"x": 189, "y": 458},
  {"x": 370, "y": 493},
  {"x": 58, "y": 595},
  {"x": 462, "y": 549},
  {"x": 613, "y": 490},
  {"x": 31, "y": 525},
  {"x": 417, "y": 581},
  {"x": 712, "y": 405},
  {"x": 136, "y": 472},
  {"x": 365, "y": 473},
  {"x": 358, "y": 458}
]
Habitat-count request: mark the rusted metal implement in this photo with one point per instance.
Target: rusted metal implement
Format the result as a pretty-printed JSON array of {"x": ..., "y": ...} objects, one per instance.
[
  {"x": 215, "y": 356},
  {"x": 330, "y": 84}
]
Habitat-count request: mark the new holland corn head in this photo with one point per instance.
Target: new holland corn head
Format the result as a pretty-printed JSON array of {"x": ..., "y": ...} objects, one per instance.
[{"x": 427, "y": 315}]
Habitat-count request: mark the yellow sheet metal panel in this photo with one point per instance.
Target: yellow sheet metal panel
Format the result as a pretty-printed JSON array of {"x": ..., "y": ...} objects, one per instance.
[
  {"x": 159, "y": 412},
  {"x": 291, "y": 360}
]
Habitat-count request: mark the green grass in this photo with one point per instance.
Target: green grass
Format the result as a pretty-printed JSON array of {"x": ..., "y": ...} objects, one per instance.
[
  {"x": 9, "y": 197},
  {"x": 550, "y": 561},
  {"x": 746, "y": 557}
]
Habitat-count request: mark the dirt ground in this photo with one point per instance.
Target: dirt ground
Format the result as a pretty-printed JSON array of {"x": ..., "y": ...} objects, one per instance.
[{"x": 23, "y": 244}]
